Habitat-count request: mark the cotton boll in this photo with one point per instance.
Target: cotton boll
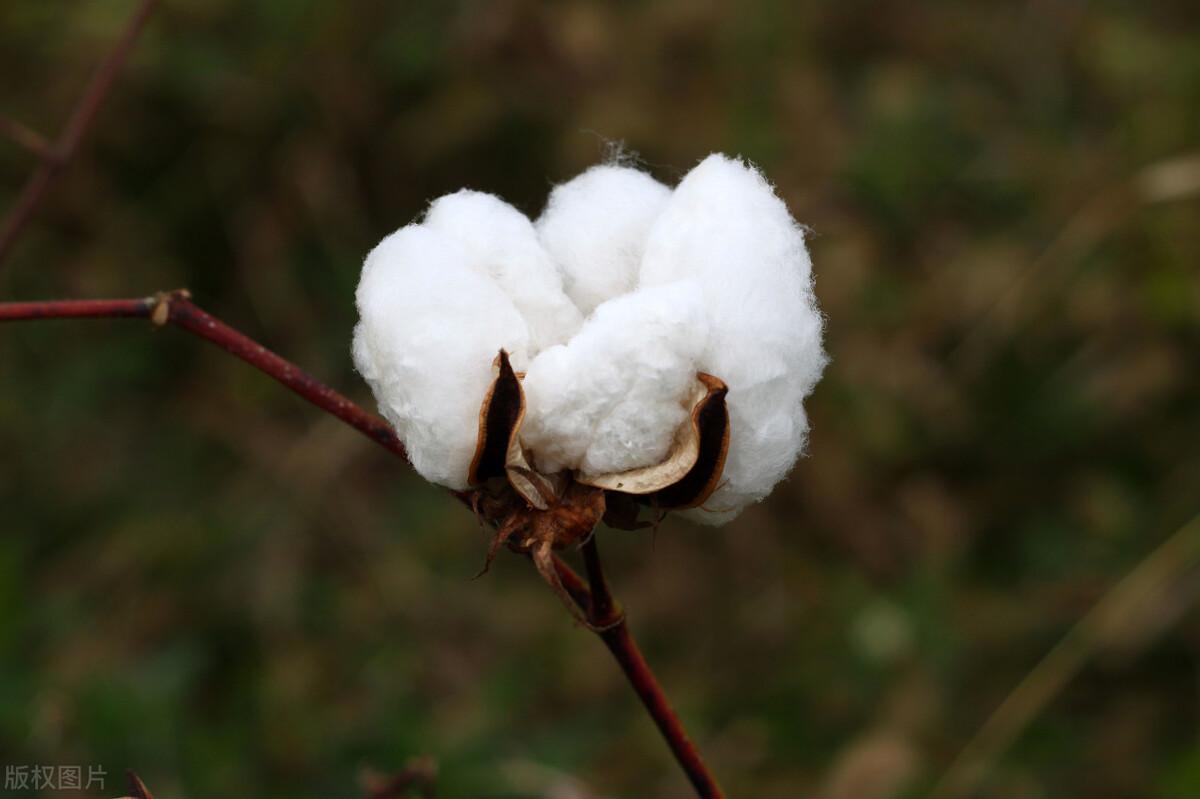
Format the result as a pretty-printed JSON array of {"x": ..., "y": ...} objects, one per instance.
[
  {"x": 725, "y": 229},
  {"x": 595, "y": 227},
  {"x": 500, "y": 241},
  {"x": 711, "y": 277},
  {"x": 429, "y": 329},
  {"x": 613, "y": 397}
]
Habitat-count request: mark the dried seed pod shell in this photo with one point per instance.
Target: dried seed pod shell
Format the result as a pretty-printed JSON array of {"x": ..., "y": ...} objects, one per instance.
[
  {"x": 498, "y": 451},
  {"x": 499, "y": 417},
  {"x": 692, "y": 469},
  {"x": 711, "y": 420},
  {"x": 684, "y": 479},
  {"x": 539, "y": 490}
]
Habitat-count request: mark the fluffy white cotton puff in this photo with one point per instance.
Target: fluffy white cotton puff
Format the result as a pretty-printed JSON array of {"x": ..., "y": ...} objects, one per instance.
[
  {"x": 613, "y": 397},
  {"x": 501, "y": 243},
  {"x": 429, "y": 328},
  {"x": 595, "y": 227},
  {"x": 725, "y": 229}
]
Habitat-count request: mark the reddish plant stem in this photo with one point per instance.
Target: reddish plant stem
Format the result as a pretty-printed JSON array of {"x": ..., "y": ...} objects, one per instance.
[
  {"x": 26, "y": 137},
  {"x": 176, "y": 308},
  {"x": 575, "y": 585},
  {"x": 58, "y": 155},
  {"x": 137, "y": 788},
  {"x": 594, "y": 598},
  {"x": 608, "y": 621},
  {"x": 419, "y": 775},
  {"x": 602, "y": 610},
  {"x": 76, "y": 309},
  {"x": 624, "y": 649}
]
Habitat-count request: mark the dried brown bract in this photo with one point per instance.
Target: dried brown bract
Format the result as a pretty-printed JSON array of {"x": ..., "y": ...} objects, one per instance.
[{"x": 535, "y": 513}]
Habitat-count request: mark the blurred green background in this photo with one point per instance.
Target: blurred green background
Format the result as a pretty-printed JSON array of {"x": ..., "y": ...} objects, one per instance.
[{"x": 203, "y": 578}]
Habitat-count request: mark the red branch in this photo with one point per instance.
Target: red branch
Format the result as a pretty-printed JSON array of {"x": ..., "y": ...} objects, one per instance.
[
  {"x": 419, "y": 775},
  {"x": 26, "y": 137},
  {"x": 54, "y": 157},
  {"x": 176, "y": 308},
  {"x": 605, "y": 615},
  {"x": 607, "y": 619},
  {"x": 137, "y": 788}
]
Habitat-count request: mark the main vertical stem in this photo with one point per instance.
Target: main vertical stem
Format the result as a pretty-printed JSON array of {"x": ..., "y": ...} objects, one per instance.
[{"x": 608, "y": 621}]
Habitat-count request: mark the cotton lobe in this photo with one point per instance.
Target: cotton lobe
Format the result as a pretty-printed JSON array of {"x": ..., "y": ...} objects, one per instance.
[
  {"x": 612, "y": 302},
  {"x": 595, "y": 228},
  {"x": 610, "y": 399},
  {"x": 725, "y": 229},
  {"x": 501, "y": 243},
  {"x": 430, "y": 327}
]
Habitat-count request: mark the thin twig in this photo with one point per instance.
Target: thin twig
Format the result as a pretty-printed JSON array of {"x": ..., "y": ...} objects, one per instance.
[
  {"x": 26, "y": 137},
  {"x": 1102, "y": 213},
  {"x": 176, "y": 308},
  {"x": 608, "y": 620},
  {"x": 594, "y": 598},
  {"x": 602, "y": 609},
  {"x": 1121, "y": 610},
  {"x": 137, "y": 788},
  {"x": 80, "y": 122},
  {"x": 420, "y": 775}
]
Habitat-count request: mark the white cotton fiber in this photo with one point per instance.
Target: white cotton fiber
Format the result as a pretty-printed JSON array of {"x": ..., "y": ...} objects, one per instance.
[
  {"x": 612, "y": 398},
  {"x": 595, "y": 228},
  {"x": 612, "y": 303},
  {"x": 501, "y": 243},
  {"x": 429, "y": 329},
  {"x": 725, "y": 229}
]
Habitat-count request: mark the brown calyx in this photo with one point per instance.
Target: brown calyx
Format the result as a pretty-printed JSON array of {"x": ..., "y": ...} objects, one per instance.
[
  {"x": 535, "y": 514},
  {"x": 568, "y": 519}
]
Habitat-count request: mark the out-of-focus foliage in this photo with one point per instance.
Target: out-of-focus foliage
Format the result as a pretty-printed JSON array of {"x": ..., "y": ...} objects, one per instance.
[{"x": 202, "y": 578}]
